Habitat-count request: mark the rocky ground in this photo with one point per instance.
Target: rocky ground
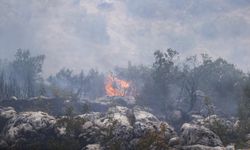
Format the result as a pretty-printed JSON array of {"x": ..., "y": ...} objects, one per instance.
[{"x": 121, "y": 125}]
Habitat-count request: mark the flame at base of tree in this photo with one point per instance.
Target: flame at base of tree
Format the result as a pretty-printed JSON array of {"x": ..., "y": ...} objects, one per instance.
[{"x": 116, "y": 87}]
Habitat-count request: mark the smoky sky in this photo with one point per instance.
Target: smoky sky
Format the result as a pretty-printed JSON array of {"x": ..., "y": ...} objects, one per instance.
[{"x": 82, "y": 34}]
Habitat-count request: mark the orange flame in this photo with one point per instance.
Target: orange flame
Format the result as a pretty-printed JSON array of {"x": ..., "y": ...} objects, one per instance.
[{"x": 116, "y": 87}]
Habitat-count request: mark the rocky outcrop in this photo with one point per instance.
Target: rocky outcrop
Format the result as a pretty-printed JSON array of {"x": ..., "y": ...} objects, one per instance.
[
  {"x": 92, "y": 147},
  {"x": 212, "y": 120},
  {"x": 193, "y": 134},
  {"x": 118, "y": 128},
  {"x": 226, "y": 128},
  {"x": 28, "y": 126},
  {"x": 202, "y": 147},
  {"x": 124, "y": 128},
  {"x": 6, "y": 113}
]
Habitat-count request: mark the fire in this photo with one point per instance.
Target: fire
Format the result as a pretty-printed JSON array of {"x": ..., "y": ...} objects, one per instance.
[{"x": 116, "y": 87}]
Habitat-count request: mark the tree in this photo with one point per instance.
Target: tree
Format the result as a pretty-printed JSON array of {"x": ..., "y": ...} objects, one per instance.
[
  {"x": 7, "y": 81},
  {"x": 66, "y": 84},
  {"x": 162, "y": 75},
  {"x": 222, "y": 82},
  {"x": 190, "y": 80},
  {"x": 94, "y": 84},
  {"x": 137, "y": 75},
  {"x": 244, "y": 108},
  {"x": 21, "y": 76},
  {"x": 218, "y": 79}
]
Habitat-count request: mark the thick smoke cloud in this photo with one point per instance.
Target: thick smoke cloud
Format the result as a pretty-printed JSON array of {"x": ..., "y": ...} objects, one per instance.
[{"x": 80, "y": 34}]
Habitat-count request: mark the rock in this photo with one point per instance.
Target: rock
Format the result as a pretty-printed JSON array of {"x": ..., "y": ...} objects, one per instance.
[
  {"x": 115, "y": 126},
  {"x": 197, "y": 119},
  {"x": 61, "y": 130},
  {"x": 144, "y": 116},
  {"x": 193, "y": 134},
  {"x": 67, "y": 101},
  {"x": 14, "y": 98},
  {"x": 112, "y": 126},
  {"x": 117, "y": 100},
  {"x": 223, "y": 127},
  {"x": 91, "y": 116},
  {"x": 236, "y": 124},
  {"x": 118, "y": 118},
  {"x": 112, "y": 129},
  {"x": 202, "y": 147},
  {"x": 7, "y": 112},
  {"x": 26, "y": 125},
  {"x": 92, "y": 147},
  {"x": 87, "y": 125},
  {"x": 174, "y": 141},
  {"x": 41, "y": 97},
  {"x": 230, "y": 147},
  {"x": 147, "y": 122},
  {"x": 119, "y": 114},
  {"x": 214, "y": 119}
]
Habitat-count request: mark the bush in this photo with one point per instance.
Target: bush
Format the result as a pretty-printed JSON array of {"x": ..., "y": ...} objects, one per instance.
[{"x": 153, "y": 139}]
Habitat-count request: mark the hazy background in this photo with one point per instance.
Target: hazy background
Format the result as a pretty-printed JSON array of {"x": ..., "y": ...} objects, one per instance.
[{"x": 80, "y": 34}]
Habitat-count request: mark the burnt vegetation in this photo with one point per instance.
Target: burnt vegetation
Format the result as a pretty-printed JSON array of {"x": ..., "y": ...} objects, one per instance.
[{"x": 198, "y": 85}]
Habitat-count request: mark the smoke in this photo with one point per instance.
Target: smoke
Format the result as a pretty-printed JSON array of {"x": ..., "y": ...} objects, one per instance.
[{"x": 83, "y": 34}]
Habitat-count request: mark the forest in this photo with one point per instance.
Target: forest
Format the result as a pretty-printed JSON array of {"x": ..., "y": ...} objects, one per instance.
[{"x": 173, "y": 91}]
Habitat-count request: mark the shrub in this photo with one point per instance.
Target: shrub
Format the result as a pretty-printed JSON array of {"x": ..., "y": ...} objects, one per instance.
[{"x": 153, "y": 138}]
